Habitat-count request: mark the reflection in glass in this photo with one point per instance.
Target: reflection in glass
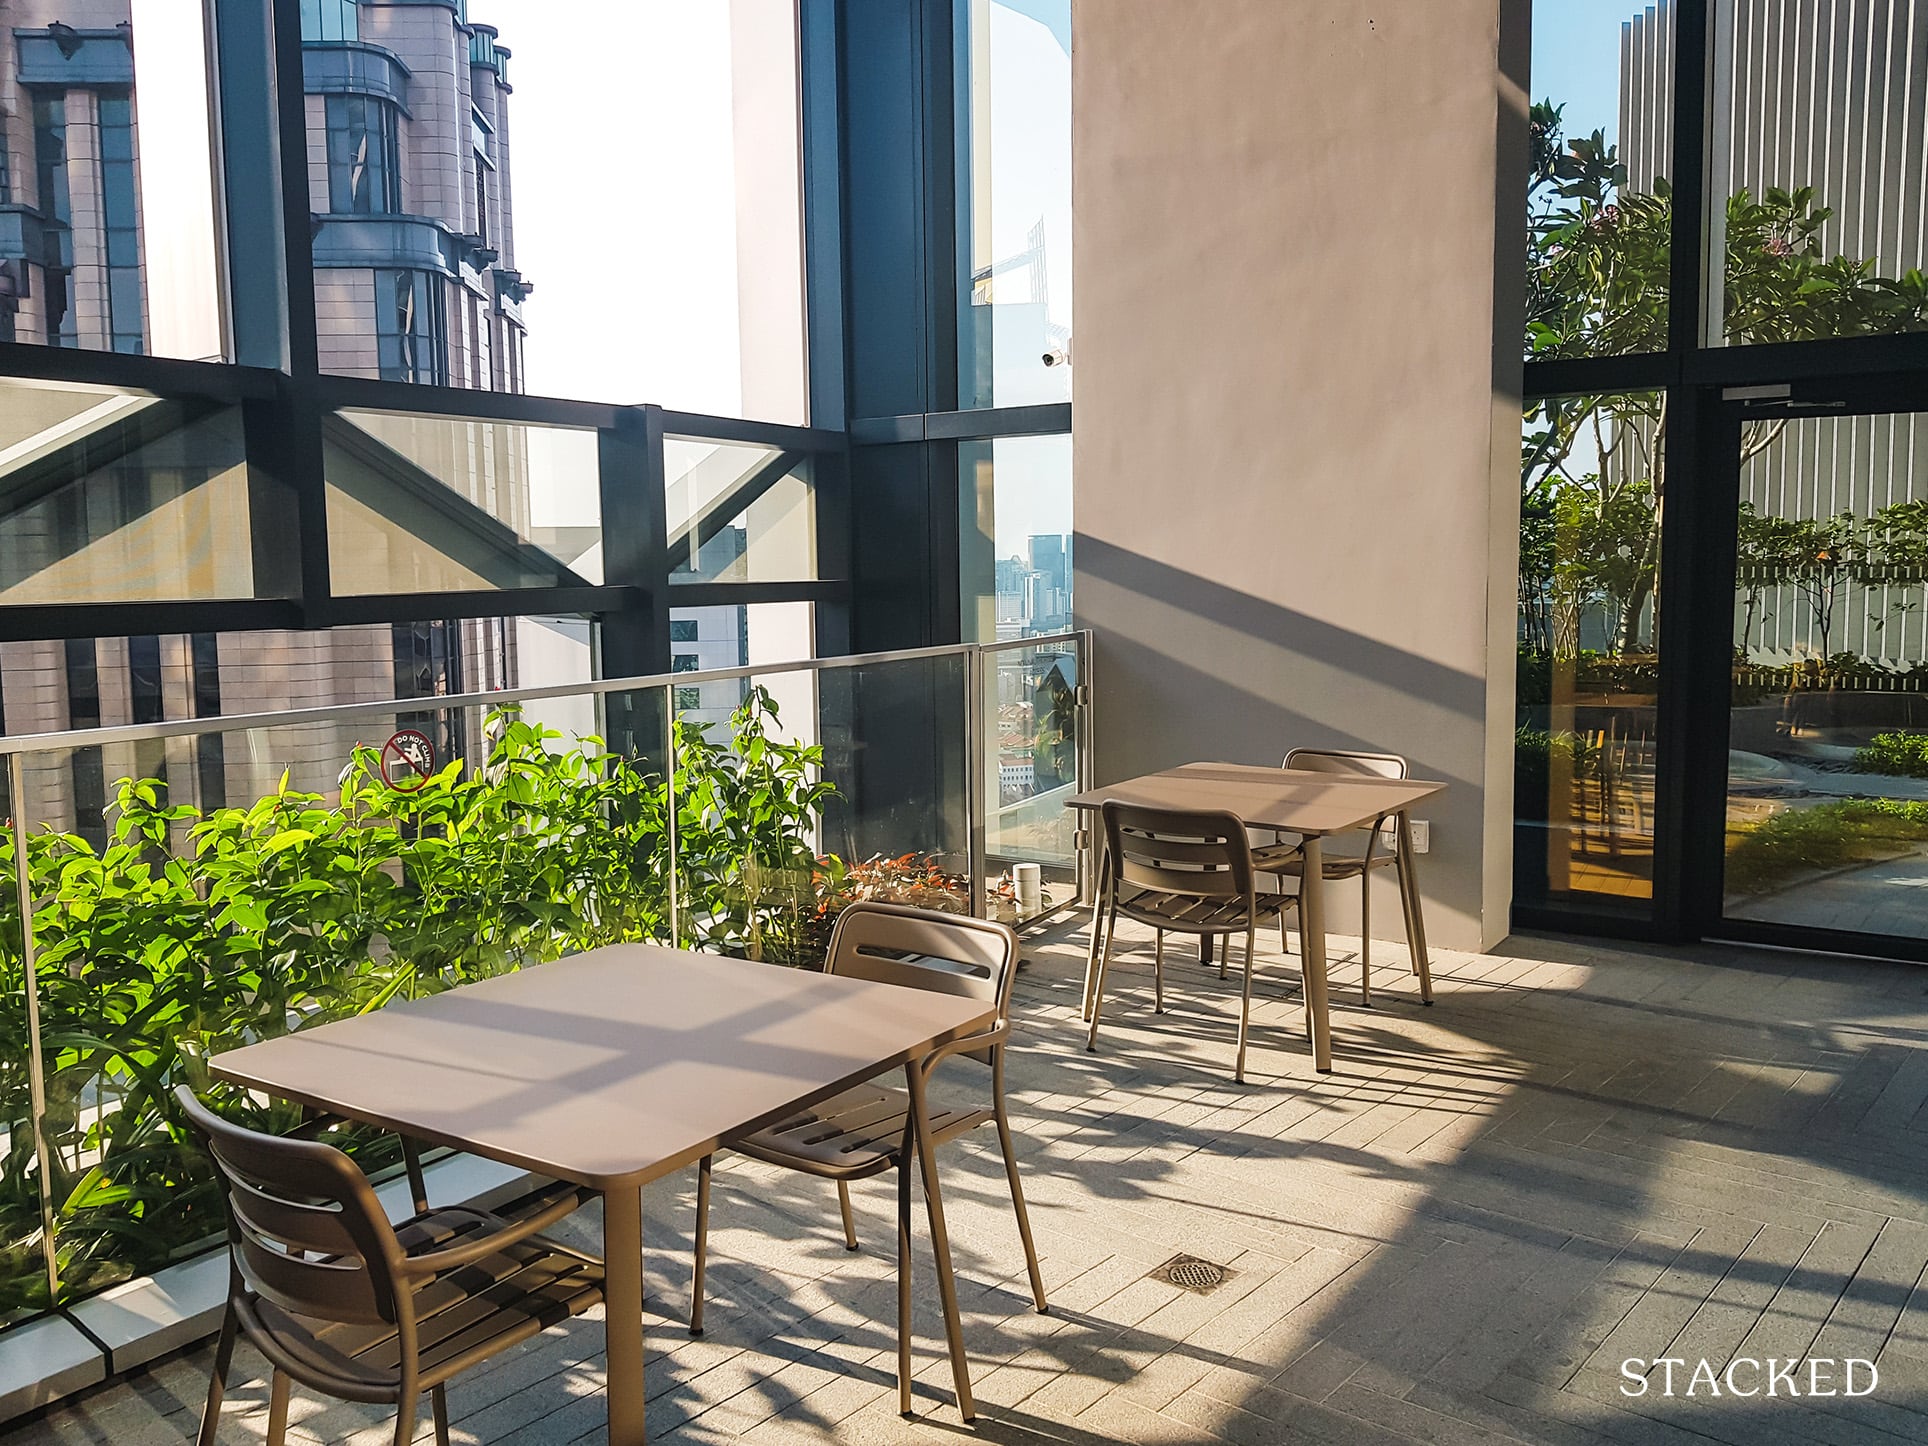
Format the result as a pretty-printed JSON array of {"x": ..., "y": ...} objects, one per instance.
[
  {"x": 1029, "y": 765},
  {"x": 1827, "y": 815},
  {"x": 1592, "y": 484},
  {"x": 443, "y": 504},
  {"x": 1598, "y": 200},
  {"x": 734, "y": 635},
  {"x": 1818, "y": 163},
  {"x": 1015, "y": 533},
  {"x": 112, "y": 497},
  {"x": 738, "y": 513},
  {"x": 1014, "y": 207}
]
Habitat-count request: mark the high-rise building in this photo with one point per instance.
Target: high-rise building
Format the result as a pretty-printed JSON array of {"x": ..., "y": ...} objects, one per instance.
[{"x": 410, "y": 183}]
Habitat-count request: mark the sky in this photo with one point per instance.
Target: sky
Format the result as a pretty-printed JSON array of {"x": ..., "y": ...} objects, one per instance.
[
  {"x": 1576, "y": 60},
  {"x": 623, "y": 166}
]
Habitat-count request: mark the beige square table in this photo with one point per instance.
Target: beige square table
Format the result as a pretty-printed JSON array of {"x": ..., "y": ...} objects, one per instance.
[
  {"x": 1313, "y": 805},
  {"x": 611, "y": 1069}
]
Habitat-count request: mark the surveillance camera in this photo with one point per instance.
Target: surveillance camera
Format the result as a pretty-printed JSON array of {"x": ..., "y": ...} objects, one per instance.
[{"x": 1058, "y": 356}]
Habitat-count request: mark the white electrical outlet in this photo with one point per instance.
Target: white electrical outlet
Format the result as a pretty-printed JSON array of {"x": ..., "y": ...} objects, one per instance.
[{"x": 1422, "y": 835}]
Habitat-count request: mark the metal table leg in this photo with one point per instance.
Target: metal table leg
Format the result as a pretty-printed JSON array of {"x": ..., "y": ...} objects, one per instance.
[
  {"x": 1099, "y": 920},
  {"x": 623, "y": 1312},
  {"x": 1313, "y": 949},
  {"x": 940, "y": 1239},
  {"x": 1415, "y": 919}
]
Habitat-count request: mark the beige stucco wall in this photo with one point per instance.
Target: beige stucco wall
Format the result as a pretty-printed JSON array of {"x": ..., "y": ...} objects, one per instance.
[{"x": 1296, "y": 502}]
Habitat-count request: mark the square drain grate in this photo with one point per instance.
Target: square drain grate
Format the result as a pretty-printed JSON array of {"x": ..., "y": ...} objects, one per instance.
[{"x": 1188, "y": 1272}]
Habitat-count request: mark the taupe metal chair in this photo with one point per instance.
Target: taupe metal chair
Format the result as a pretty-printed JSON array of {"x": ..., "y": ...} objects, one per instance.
[
  {"x": 341, "y": 1300},
  {"x": 868, "y": 1130},
  {"x": 1193, "y": 874},
  {"x": 1383, "y": 851}
]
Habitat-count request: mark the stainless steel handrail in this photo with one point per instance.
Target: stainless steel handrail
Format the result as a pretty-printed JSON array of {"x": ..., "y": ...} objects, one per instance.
[{"x": 297, "y": 717}]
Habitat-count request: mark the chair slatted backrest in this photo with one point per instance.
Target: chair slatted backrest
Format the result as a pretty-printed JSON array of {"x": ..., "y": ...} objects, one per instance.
[
  {"x": 1353, "y": 765},
  {"x": 924, "y": 949},
  {"x": 1179, "y": 851},
  {"x": 1340, "y": 760},
  {"x": 307, "y": 1231}
]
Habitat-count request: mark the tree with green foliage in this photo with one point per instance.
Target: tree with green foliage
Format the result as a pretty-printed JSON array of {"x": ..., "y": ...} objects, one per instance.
[{"x": 1598, "y": 266}]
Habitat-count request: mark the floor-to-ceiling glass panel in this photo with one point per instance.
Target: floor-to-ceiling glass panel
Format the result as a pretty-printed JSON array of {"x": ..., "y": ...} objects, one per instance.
[
  {"x": 1014, "y": 530},
  {"x": 1817, "y": 169},
  {"x": 451, "y": 504},
  {"x": 1014, "y": 202},
  {"x": 1598, "y": 199},
  {"x": 738, "y": 512},
  {"x": 1592, "y": 479},
  {"x": 115, "y": 496},
  {"x": 1827, "y": 809},
  {"x": 598, "y": 200},
  {"x": 108, "y": 198},
  {"x": 1028, "y": 743}
]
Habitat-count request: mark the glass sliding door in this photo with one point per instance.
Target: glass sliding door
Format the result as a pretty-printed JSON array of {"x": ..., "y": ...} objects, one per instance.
[
  {"x": 1591, "y": 483},
  {"x": 1827, "y": 772}
]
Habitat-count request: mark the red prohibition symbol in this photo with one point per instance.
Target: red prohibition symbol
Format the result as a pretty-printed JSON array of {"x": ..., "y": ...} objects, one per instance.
[{"x": 408, "y": 758}]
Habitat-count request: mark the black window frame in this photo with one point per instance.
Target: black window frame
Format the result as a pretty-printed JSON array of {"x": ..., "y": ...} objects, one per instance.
[{"x": 1710, "y": 384}]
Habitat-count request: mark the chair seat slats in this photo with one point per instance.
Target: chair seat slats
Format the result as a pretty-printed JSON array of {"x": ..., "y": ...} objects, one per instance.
[
  {"x": 1187, "y": 912},
  {"x": 474, "y": 1311},
  {"x": 1288, "y": 862},
  {"x": 856, "y": 1133}
]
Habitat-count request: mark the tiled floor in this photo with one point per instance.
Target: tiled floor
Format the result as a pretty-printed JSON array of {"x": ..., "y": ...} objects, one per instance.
[{"x": 1581, "y": 1155}]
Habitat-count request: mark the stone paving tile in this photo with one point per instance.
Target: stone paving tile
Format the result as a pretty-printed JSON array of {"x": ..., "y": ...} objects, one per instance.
[{"x": 1582, "y": 1154}]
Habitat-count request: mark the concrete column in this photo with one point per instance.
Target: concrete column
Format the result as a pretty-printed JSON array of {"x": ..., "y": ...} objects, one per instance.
[{"x": 1295, "y": 450}]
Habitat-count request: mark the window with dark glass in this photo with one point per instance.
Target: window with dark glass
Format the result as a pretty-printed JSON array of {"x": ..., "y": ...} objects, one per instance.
[
  {"x": 411, "y": 338},
  {"x": 145, "y": 697},
  {"x": 329, "y": 20},
  {"x": 56, "y": 206},
  {"x": 684, "y": 663},
  {"x": 120, "y": 212},
  {"x": 480, "y": 139},
  {"x": 210, "y": 751},
  {"x": 682, "y": 630},
  {"x": 364, "y": 156},
  {"x": 13, "y": 273},
  {"x": 688, "y": 700},
  {"x": 85, "y": 764}
]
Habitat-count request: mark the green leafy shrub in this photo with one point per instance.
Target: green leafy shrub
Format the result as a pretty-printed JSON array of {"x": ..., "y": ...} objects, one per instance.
[
  {"x": 1902, "y": 754},
  {"x": 190, "y": 933},
  {"x": 1764, "y": 855}
]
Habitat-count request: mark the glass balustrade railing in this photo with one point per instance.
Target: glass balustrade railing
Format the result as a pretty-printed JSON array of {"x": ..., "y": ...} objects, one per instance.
[{"x": 192, "y": 886}]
